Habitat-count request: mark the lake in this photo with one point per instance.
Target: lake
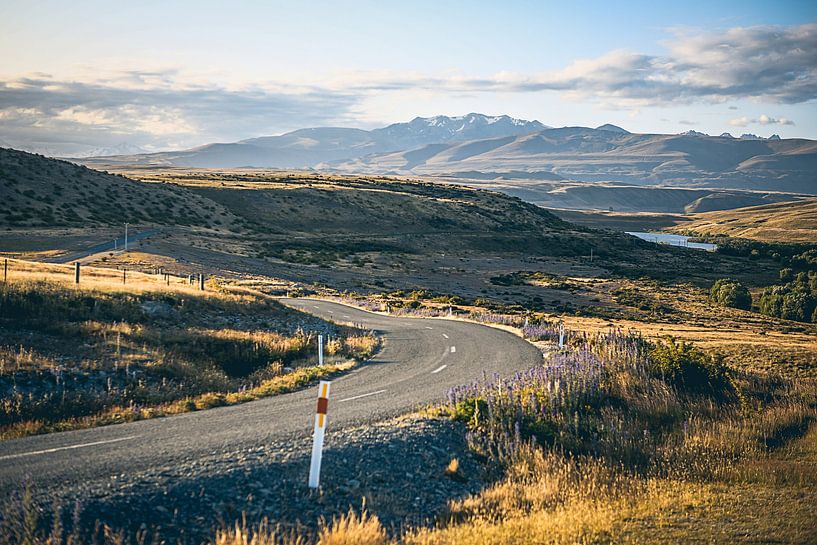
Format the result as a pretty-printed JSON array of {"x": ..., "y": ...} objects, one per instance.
[{"x": 673, "y": 240}]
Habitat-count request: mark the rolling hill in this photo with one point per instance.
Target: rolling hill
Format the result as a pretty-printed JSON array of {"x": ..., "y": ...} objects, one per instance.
[
  {"x": 592, "y": 155},
  {"x": 503, "y": 147},
  {"x": 310, "y": 147},
  {"x": 285, "y": 213},
  {"x": 779, "y": 222},
  {"x": 37, "y": 191}
]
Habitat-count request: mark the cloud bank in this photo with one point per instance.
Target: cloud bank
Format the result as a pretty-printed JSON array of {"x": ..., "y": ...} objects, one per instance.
[
  {"x": 164, "y": 109},
  {"x": 762, "y": 120}
]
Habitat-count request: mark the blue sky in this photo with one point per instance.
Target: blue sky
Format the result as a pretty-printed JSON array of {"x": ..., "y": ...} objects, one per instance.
[{"x": 159, "y": 75}]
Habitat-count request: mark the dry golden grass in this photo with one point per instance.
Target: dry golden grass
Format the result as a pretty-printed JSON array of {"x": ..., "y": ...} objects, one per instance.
[
  {"x": 348, "y": 529},
  {"x": 204, "y": 367},
  {"x": 102, "y": 279},
  {"x": 780, "y": 222},
  {"x": 353, "y": 529},
  {"x": 559, "y": 504}
]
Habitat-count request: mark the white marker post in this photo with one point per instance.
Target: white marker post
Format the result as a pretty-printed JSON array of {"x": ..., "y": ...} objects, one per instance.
[
  {"x": 561, "y": 335},
  {"x": 320, "y": 349},
  {"x": 320, "y": 429}
]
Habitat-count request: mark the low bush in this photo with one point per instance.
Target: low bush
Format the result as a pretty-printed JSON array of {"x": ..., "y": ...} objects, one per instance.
[
  {"x": 730, "y": 293},
  {"x": 687, "y": 367}
]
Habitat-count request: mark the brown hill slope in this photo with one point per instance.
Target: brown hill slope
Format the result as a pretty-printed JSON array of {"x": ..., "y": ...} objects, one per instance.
[
  {"x": 780, "y": 222},
  {"x": 36, "y": 191}
]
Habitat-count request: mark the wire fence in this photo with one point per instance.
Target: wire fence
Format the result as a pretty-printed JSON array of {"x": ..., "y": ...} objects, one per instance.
[{"x": 102, "y": 278}]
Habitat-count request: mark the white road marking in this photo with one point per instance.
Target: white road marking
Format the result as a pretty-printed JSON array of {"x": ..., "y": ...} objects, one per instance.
[
  {"x": 361, "y": 395},
  {"x": 429, "y": 327},
  {"x": 316, "y": 306},
  {"x": 438, "y": 369},
  {"x": 57, "y": 449},
  {"x": 330, "y": 312},
  {"x": 444, "y": 335},
  {"x": 453, "y": 349},
  {"x": 345, "y": 315}
]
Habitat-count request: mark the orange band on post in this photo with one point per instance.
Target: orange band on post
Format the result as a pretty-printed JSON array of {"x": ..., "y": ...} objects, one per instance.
[{"x": 323, "y": 405}]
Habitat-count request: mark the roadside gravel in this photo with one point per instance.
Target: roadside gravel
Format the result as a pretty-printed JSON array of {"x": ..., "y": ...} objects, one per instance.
[{"x": 396, "y": 468}]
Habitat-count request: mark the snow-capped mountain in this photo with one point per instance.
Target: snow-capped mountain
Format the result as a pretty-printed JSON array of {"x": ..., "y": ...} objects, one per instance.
[
  {"x": 309, "y": 147},
  {"x": 441, "y": 128},
  {"x": 491, "y": 147}
]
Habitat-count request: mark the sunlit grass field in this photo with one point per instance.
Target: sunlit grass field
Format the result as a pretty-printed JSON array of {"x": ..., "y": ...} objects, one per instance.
[{"x": 107, "y": 351}]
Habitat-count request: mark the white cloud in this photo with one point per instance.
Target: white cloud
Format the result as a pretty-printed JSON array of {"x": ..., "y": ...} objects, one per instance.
[
  {"x": 163, "y": 107},
  {"x": 764, "y": 119}
]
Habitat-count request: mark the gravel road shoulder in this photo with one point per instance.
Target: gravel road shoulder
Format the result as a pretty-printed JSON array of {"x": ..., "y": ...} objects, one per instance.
[{"x": 396, "y": 467}]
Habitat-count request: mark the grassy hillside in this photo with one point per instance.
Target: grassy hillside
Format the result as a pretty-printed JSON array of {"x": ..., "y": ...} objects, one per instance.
[
  {"x": 779, "y": 222},
  {"x": 306, "y": 213},
  {"x": 110, "y": 352},
  {"x": 38, "y": 191}
]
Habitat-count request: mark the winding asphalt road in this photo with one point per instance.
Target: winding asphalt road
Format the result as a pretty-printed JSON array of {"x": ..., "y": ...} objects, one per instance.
[{"x": 419, "y": 361}]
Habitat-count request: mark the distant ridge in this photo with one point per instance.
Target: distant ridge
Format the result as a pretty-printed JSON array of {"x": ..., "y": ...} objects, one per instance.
[
  {"x": 493, "y": 145},
  {"x": 612, "y": 128}
]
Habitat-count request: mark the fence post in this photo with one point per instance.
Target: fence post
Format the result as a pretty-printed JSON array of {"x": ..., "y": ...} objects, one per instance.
[
  {"x": 320, "y": 349},
  {"x": 6, "y": 271},
  {"x": 124, "y": 273},
  {"x": 76, "y": 272},
  {"x": 201, "y": 281},
  {"x": 320, "y": 429}
]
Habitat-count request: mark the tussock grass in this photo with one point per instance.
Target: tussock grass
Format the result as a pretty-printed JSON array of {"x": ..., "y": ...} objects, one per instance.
[{"x": 78, "y": 357}]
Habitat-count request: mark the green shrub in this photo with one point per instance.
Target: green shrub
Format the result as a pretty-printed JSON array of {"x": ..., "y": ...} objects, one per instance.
[
  {"x": 689, "y": 368},
  {"x": 794, "y": 300},
  {"x": 730, "y": 293}
]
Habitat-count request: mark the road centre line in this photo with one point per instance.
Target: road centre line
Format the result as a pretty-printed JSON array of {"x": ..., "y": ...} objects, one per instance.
[
  {"x": 444, "y": 335},
  {"x": 438, "y": 369},
  {"x": 361, "y": 395},
  {"x": 57, "y": 449}
]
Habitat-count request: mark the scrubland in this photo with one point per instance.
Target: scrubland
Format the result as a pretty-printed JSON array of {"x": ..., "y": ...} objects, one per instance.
[
  {"x": 665, "y": 419},
  {"x": 106, "y": 351}
]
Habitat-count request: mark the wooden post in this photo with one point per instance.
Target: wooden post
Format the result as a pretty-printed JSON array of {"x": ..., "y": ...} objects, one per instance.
[
  {"x": 124, "y": 277},
  {"x": 76, "y": 272},
  {"x": 6, "y": 271},
  {"x": 201, "y": 282}
]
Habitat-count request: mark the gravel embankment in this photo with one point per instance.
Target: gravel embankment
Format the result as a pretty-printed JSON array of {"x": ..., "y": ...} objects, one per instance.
[{"x": 396, "y": 467}]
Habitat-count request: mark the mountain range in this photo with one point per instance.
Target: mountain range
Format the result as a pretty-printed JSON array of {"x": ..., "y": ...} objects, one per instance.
[{"x": 486, "y": 147}]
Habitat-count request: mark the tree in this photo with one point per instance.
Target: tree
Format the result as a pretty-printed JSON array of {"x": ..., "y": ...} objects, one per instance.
[
  {"x": 798, "y": 305},
  {"x": 730, "y": 293}
]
